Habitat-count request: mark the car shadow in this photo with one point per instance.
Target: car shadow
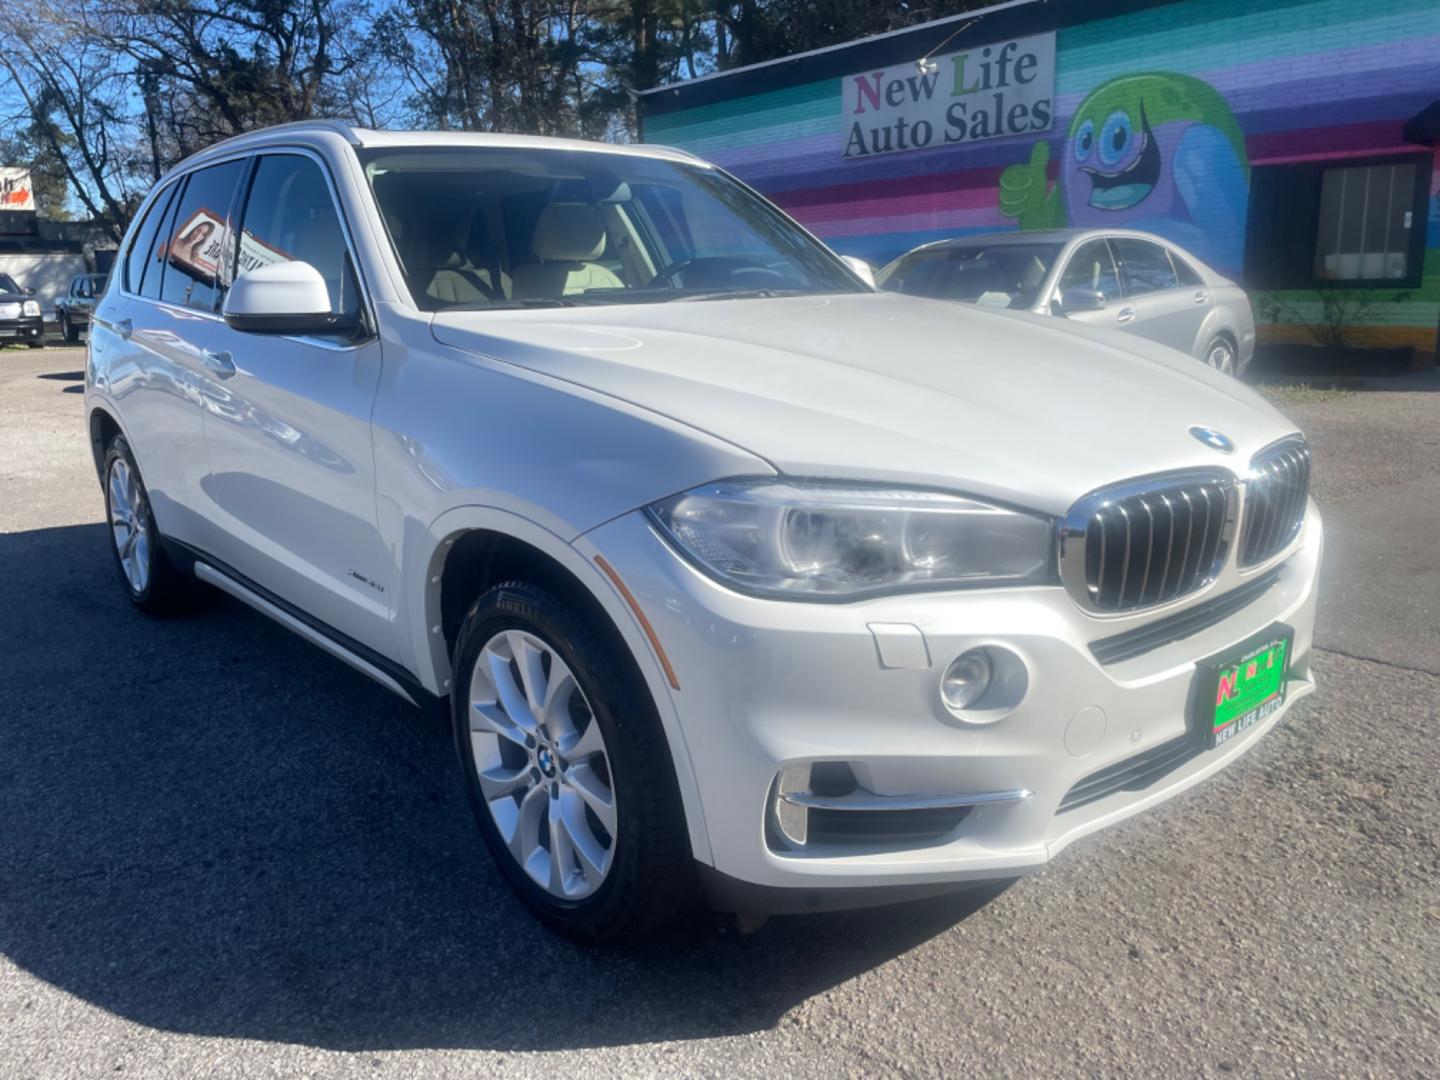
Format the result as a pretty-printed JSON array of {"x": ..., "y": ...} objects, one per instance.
[
  {"x": 210, "y": 827},
  {"x": 63, "y": 376}
]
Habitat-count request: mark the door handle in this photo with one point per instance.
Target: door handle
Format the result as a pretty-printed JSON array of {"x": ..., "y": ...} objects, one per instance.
[
  {"x": 1201, "y": 296},
  {"x": 221, "y": 363},
  {"x": 1125, "y": 314}
]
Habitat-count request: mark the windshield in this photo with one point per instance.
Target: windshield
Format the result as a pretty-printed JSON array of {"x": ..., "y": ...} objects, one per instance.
[
  {"x": 994, "y": 275},
  {"x": 7, "y": 284},
  {"x": 478, "y": 227}
]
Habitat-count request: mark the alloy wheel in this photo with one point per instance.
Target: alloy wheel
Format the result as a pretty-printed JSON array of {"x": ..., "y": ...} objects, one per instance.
[
  {"x": 1221, "y": 357},
  {"x": 543, "y": 768},
  {"x": 129, "y": 526}
]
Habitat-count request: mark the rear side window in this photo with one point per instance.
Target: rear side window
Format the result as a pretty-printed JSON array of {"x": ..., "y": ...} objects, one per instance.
[
  {"x": 193, "y": 274},
  {"x": 1146, "y": 266},
  {"x": 1187, "y": 274},
  {"x": 142, "y": 247},
  {"x": 290, "y": 215},
  {"x": 1091, "y": 267}
]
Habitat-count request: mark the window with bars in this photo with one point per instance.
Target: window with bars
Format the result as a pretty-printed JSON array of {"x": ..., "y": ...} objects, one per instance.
[
  {"x": 1366, "y": 215},
  {"x": 1325, "y": 224}
]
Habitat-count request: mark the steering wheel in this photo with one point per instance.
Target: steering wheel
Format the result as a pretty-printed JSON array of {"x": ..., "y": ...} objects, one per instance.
[
  {"x": 667, "y": 273},
  {"x": 717, "y": 270}
]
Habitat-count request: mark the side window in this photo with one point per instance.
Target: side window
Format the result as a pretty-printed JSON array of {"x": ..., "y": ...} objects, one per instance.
[
  {"x": 1092, "y": 267},
  {"x": 1185, "y": 273},
  {"x": 1146, "y": 266},
  {"x": 193, "y": 275},
  {"x": 142, "y": 247},
  {"x": 291, "y": 215}
]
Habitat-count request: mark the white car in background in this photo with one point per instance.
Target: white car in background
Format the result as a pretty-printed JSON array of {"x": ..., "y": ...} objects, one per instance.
[
  {"x": 1127, "y": 280},
  {"x": 729, "y": 568}
]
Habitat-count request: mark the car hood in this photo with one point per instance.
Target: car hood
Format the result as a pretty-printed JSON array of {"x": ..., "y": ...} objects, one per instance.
[{"x": 878, "y": 386}]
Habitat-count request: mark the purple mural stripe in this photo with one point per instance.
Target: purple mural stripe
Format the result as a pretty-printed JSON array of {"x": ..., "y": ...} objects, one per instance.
[
  {"x": 941, "y": 224},
  {"x": 1344, "y": 138}
]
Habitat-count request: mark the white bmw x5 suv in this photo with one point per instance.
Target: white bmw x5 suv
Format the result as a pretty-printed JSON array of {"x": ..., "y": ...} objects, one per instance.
[{"x": 732, "y": 571}]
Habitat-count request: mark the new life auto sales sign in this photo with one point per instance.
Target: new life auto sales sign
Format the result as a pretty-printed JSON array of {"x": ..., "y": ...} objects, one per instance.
[{"x": 1005, "y": 88}]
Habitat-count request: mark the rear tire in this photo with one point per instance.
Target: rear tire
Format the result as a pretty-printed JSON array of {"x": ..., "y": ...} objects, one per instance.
[
  {"x": 153, "y": 583},
  {"x": 1220, "y": 355},
  {"x": 566, "y": 769}
]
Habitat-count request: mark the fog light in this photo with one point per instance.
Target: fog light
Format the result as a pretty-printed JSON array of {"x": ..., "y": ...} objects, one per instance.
[{"x": 966, "y": 679}]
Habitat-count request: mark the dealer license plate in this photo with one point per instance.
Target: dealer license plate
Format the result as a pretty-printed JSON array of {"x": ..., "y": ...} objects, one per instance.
[{"x": 1242, "y": 686}]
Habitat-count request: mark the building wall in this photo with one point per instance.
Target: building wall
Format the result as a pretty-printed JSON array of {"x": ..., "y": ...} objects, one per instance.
[{"x": 1302, "y": 80}]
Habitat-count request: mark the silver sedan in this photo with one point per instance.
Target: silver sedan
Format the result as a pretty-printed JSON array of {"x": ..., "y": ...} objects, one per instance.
[{"x": 1132, "y": 281}]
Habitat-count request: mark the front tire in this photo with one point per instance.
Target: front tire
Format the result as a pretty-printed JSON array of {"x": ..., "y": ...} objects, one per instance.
[
  {"x": 567, "y": 769},
  {"x": 153, "y": 583},
  {"x": 68, "y": 329}
]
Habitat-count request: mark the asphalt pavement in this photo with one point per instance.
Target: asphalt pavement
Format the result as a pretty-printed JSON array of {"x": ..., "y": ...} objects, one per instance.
[{"x": 223, "y": 853}]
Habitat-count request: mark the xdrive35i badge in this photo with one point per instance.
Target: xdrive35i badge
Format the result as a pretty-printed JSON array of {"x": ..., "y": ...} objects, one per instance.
[{"x": 1212, "y": 438}]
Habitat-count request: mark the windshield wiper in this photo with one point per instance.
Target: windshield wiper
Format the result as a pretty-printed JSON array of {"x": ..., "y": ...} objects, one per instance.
[
  {"x": 737, "y": 294},
  {"x": 510, "y": 305}
]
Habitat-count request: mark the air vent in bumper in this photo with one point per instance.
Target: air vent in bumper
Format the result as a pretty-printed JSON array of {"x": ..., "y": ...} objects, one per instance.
[{"x": 1134, "y": 773}]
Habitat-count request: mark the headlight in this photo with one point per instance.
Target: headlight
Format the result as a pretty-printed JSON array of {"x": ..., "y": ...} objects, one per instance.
[
  {"x": 810, "y": 539},
  {"x": 30, "y": 307}
]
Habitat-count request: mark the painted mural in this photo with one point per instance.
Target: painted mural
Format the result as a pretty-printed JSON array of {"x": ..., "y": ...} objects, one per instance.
[
  {"x": 1227, "y": 86},
  {"x": 1160, "y": 152}
]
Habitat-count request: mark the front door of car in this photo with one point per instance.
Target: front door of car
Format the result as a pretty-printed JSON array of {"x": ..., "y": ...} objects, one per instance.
[
  {"x": 1167, "y": 310},
  {"x": 1089, "y": 276},
  {"x": 291, "y": 466},
  {"x": 151, "y": 335}
]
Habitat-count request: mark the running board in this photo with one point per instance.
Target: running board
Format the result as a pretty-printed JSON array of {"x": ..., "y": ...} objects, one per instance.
[{"x": 222, "y": 581}]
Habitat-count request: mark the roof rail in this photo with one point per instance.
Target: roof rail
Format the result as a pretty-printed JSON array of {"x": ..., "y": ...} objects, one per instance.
[{"x": 338, "y": 127}]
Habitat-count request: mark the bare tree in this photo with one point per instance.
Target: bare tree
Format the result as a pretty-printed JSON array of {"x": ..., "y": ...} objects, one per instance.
[{"x": 73, "y": 93}]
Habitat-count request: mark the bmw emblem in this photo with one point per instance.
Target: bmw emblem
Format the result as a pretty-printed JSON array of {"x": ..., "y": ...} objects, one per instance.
[{"x": 1212, "y": 438}]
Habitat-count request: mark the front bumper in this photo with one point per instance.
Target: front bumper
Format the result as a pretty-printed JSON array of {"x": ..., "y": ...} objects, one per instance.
[
  {"x": 766, "y": 684},
  {"x": 24, "y": 329}
]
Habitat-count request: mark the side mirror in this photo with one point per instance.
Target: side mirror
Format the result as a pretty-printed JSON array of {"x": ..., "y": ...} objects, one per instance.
[
  {"x": 30, "y": 291},
  {"x": 283, "y": 298},
  {"x": 1081, "y": 300},
  {"x": 863, "y": 270}
]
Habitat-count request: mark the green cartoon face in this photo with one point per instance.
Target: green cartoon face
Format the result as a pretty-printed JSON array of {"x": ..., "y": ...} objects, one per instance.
[{"x": 1122, "y": 142}]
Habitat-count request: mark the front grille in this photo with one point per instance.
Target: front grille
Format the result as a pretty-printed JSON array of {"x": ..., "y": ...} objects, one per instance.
[
  {"x": 9, "y": 311},
  {"x": 1134, "y": 773},
  {"x": 1147, "y": 542},
  {"x": 1275, "y": 499}
]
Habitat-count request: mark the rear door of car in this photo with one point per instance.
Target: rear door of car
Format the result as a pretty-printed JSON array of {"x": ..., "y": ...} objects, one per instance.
[
  {"x": 150, "y": 336},
  {"x": 1167, "y": 309},
  {"x": 1091, "y": 267},
  {"x": 291, "y": 463}
]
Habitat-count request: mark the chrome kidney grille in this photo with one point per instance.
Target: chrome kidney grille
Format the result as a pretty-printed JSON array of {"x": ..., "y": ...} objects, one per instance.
[
  {"x": 1147, "y": 542},
  {"x": 1275, "y": 497}
]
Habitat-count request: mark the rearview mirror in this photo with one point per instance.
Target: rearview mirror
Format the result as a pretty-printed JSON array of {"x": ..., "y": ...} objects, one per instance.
[
  {"x": 863, "y": 270},
  {"x": 283, "y": 298},
  {"x": 1081, "y": 300}
]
